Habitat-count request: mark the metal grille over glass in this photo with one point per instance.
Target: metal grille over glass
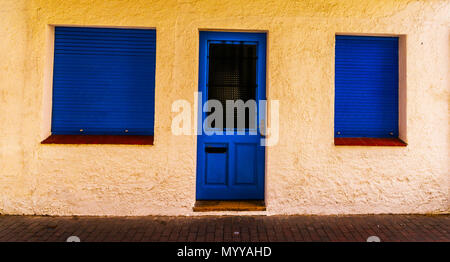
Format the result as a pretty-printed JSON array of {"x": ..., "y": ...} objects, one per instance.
[{"x": 232, "y": 76}]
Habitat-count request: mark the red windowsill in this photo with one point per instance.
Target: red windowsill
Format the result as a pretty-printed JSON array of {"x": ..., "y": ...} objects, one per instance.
[
  {"x": 99, "y": 139},
  {"x": 366, "y": 141}
]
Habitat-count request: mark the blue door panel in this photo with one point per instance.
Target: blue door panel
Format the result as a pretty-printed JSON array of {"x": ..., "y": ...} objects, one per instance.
[
  {"x": 245, "y": 163},
  {"x": 230, "y": 167},
  {"x": 216, "y": 165},
  {"x": 366, "y": 86}
]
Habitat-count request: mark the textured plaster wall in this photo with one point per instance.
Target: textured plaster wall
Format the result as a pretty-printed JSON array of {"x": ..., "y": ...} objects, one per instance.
[{"x": 305, "y": 172}]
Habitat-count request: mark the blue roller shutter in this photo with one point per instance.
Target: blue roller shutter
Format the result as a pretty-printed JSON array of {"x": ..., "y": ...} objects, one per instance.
[
  {"x": 103, "y": 81},
  {"x": 366, "y": 86}
]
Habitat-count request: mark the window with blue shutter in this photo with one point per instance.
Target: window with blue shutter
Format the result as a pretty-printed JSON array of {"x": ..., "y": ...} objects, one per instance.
[
  {"x": 366, "y": 86},
  {"x": 103, "y": 81}
]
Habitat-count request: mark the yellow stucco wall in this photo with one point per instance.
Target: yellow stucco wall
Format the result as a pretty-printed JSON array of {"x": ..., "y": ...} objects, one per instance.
[{"x": 305, "y": 172}]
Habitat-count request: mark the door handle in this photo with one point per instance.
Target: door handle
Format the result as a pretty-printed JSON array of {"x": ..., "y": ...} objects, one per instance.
[{"x": 210, "y": 149}]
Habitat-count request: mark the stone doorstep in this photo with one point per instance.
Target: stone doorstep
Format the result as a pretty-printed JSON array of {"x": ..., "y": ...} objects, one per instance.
[{"x": 214, "y": 205}]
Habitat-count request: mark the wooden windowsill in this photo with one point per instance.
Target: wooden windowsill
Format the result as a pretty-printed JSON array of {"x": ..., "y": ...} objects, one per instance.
[
  {"x": 212, "y": 205},
  {"x": 366, "y": 141},
  {"x": 99, "y": 139}
]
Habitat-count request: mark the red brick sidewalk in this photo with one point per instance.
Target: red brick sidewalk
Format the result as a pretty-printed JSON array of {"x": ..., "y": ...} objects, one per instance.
[{"x": 213, "y": 228}]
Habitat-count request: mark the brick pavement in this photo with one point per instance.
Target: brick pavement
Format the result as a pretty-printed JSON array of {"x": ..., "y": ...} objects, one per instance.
[{"x": 226, "y": 228}]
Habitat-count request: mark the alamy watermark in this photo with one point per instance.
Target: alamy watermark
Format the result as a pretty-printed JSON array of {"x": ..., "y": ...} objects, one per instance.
[
  {"x": 373, "y": 239},
  {"x": 73, "y": 239},
  {"x": 238, "y": 118}
]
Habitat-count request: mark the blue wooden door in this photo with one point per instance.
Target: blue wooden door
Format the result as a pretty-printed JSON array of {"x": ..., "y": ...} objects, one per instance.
[{"x": 230, "y": 166}]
